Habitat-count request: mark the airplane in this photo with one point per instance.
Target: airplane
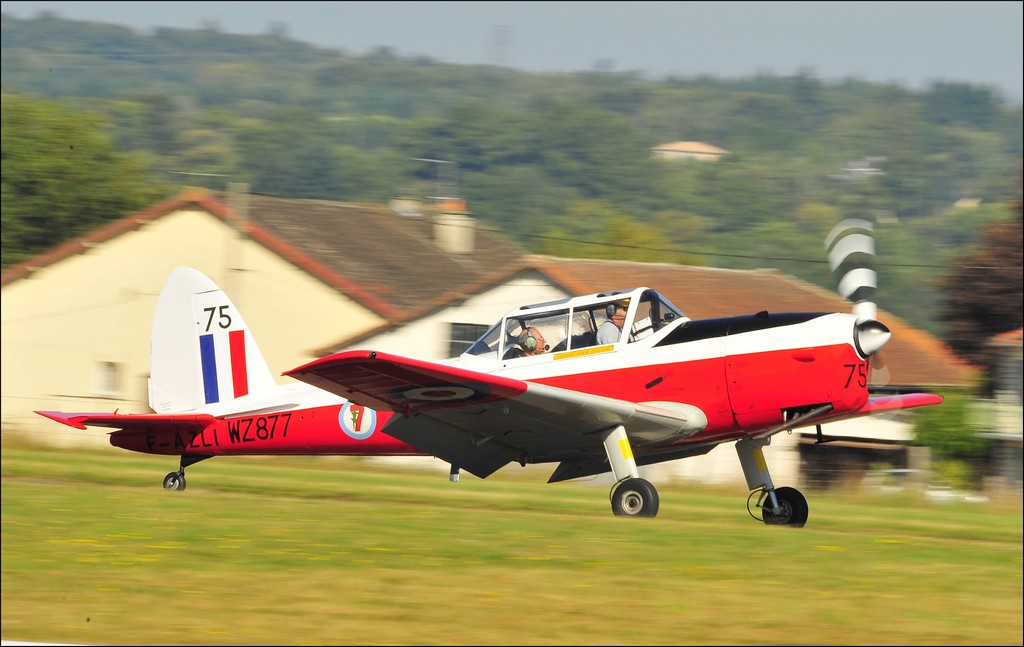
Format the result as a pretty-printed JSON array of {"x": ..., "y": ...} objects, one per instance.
[{"x": 669, "y": 387}]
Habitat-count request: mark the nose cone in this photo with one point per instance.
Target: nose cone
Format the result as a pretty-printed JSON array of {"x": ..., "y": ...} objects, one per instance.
[{"x": 870, "y": 336}]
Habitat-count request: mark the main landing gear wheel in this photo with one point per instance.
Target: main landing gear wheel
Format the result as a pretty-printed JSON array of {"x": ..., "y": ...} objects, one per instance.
[
  {"x": 792, "y": 509},
  {"x": 175, "y": 481},
  {"x": 634, "y": 497}
]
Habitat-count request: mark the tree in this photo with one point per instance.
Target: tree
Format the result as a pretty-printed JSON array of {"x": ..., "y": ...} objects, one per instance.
[
  {"x": 985, "y": 294},
  {"x": 61, "y": 176},
  {"x": 597, "y": 230},
  {"x": 957, "y": 450},
  {"x": 290, "y": 154}
]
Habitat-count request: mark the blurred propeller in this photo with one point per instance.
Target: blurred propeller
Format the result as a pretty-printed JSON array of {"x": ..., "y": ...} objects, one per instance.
[{"x": 851, "y": 256}]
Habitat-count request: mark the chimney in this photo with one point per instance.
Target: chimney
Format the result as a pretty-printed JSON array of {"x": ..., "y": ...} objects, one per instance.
[
  {"x": 408, "y": 207},
  {"x": 454, "y": 229}
]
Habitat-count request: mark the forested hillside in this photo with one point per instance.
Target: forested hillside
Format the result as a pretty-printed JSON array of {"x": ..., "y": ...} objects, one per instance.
[{"x": 560, "y": 163}]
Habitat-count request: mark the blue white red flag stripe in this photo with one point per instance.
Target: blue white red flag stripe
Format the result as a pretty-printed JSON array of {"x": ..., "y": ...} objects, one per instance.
[
  {"x": 239, "y": 376},
  {"x": 217, "y": 366},
  {"x": 208, "y": 357}
]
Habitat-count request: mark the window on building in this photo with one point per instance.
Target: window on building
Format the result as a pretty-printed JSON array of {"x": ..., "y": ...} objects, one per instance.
[
  {"x": 108, "y": 379},
  {"x": 462, "y": 337},
  {"x": 1008, "y": 380}
]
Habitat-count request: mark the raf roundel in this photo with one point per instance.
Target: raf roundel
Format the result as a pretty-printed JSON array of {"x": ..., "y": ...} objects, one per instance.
[
  {"x": 439, "y": 393},
  {"x": 357, "y": 421}
]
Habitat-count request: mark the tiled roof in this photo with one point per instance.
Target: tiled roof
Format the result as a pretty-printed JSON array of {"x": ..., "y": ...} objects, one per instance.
[
  {"x": 1008, "y": 338},
  {"x": 392, "y": 256},
  {"x": 112, "y": 230},
  {"x": 389, "y": 262}
]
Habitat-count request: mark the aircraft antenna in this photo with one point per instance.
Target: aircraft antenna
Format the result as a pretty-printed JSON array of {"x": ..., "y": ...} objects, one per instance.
[{"x": 446, "y": 178}]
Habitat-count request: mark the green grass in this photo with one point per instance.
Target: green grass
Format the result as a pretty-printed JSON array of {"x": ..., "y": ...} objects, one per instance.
[{"x": 343, "y": 550}]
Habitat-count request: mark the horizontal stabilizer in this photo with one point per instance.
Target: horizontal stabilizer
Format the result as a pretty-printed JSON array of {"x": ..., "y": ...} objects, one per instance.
[{"x": 132, "y": 422}]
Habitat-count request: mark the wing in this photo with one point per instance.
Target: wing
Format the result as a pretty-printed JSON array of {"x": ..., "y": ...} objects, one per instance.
[
  {"x": 132, "y": 422},
  {"x": 480, "y": 422}
]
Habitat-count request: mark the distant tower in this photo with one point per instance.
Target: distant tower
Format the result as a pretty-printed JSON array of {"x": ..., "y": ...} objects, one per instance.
[
  {"x": 278, "y": 29},
  {"x": 500, "y": 45}
]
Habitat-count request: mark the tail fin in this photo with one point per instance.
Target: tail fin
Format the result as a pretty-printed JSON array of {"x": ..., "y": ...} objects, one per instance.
[{"x": 202, "y": 352}]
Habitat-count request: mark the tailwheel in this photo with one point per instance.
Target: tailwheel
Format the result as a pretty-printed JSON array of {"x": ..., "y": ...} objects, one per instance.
[
  {"x": 792, "y": 508},
  {"x": 634, "y": 497},
  {"x": 175, "y": 481}
]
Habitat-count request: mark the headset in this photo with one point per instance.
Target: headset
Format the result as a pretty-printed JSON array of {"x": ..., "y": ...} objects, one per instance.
[
  {"x": 612, "y": 307},
  {"x": 528, "y": 341}
]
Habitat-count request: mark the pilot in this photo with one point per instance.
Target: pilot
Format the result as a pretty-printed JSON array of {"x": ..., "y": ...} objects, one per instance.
[
  {"x": 610, "y": 331},
  {"x": 532, "y": 342}
]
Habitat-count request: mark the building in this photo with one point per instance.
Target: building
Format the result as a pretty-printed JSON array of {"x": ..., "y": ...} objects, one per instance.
[
  {"x": 306, "y": 272},
  {"x": 314, "y": 277},
  {"x": 1002, "y": 417},
  {"x": 688, "y": 151}
]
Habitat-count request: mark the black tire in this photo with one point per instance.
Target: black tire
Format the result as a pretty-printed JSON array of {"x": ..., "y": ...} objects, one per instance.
[
  {"x": 792, "y": 509},
  {"x": 174, "y": 481},
  {"x": 634, "y": 497}
]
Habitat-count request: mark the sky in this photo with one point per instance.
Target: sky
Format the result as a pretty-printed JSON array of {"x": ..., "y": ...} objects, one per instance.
[{"x": 912, "y": 44}]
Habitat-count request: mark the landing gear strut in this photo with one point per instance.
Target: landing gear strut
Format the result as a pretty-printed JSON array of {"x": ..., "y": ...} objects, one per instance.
[
  {"x": 791, "y": 510},
  {"x": 175, "y": 481},
  {"x": 631, "y": 495},
  {"x": 784, "y": 506}
]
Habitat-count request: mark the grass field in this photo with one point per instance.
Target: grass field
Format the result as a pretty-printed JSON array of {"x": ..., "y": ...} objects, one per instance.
[{"x": 346, "y": 551}]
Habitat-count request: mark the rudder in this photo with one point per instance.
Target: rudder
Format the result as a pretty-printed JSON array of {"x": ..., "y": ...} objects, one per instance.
[{"x": 202, "y": 352}]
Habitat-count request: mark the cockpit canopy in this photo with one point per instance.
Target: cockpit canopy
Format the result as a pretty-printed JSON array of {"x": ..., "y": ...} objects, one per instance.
[{"x": 573, "y": 323}]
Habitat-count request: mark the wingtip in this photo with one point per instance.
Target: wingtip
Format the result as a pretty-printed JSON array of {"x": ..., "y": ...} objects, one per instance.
[{"x": 63, "y": 418}]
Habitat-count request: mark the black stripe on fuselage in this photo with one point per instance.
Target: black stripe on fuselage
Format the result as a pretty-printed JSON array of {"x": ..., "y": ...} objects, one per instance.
[{"x": 713, "y": 328}]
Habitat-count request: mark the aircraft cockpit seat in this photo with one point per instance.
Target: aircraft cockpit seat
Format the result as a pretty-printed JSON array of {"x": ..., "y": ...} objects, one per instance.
[
  {"x": 585, "y": 339},
  {"x": 578, "y": 341},
  {"x": 512, "y": 349}
]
